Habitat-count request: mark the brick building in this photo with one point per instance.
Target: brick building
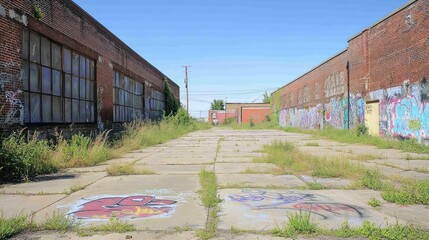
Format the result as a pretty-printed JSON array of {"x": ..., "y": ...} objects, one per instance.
[
  {"x": 241, "y": 112},
  {"x": 379, "y": 80},
  {"x": 58, "y": 66}
]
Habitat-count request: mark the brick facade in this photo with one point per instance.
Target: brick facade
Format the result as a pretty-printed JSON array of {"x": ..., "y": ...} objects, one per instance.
[
  {"x": 386, "y": 63},
  {"x": 66, "y": 24}
]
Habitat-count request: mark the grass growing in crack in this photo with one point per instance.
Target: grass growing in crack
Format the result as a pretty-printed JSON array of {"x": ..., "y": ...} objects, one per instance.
[
  {"x": 373, "y": 202},
  {"x": 291, "y": 160},
  {"x": 126, "y": 169},
  {"x": 315, "y": 186},
  {"x": 411, "y": 192},
  {"x": 210, "y": 199},
  {"x": 114, "y": 225},
  {"x": 350, "y": 136},
  {"x": 372, "y": 179},
  {"x": 299, "y": 223},
  {"x": 312, "y": 144},
  {"x": 366, "y": 157},
  {"x": 10, "y": 227},
  {"x": 75, "y": 188},
  {"x": 59, "y": 222}
]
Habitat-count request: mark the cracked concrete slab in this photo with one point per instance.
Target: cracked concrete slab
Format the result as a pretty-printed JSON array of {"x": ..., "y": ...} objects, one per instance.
[
  {"x": 14, "y": 205},
  {"x": 260, "y": 180},
  {"x": 245, "y": 167}
]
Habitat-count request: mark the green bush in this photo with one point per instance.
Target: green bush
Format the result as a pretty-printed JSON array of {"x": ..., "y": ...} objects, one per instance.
[
  {"x": 372, "y": 179},
  {"x": 361, "y": 130},
  {"x": 22, "y": 159}
]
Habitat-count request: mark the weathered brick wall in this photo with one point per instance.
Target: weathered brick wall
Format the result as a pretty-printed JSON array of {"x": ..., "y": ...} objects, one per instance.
[
  {"x": 67, "y": 24},
  {"x": 388, "y": 63}
]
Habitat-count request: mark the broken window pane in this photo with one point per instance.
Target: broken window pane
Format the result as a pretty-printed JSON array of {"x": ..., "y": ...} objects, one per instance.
[
  {"x": 75, "y": 63},
  {"x": 35, "y": 107},
  {"x": 25, "y": 38},
  {"x": 75, "y": 110},
  {"x": 26, "y": 107},
  {"x": 67, "y": 60},
  {"x": 67, "y": 110},
  {"x": 82, "y": 66},
  {"x": 82, "y": 88},
  {"x": 75, "y": 87},
  {"x": 25, "y": 75},
  {"x": 34, "y": 48},
  {"x": 46, "y": 52},
  {"x": 57, "y": 109},
  {"x": 46, "y": 80},
  {"x": 46, "y": 108},
  {"x": 56, "y": 56},
  {"x": 56, "y": 82},
  {"x": 82, "y": 111},
  {"x": 34, "y": 78},
  {"x": 67, "y": 85}
]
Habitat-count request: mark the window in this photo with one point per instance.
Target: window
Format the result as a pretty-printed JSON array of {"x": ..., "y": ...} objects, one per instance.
[
  {"x": 58, "y": 83},
  {"x": 157, "y": 102},
  {"x": 127, "y": 98}
]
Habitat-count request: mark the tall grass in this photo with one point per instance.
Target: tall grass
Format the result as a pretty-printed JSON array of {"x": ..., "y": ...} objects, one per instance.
[
  {"x": 351, "y": 136},
  {"x": 23, "y": 158},
  {"x": 291, "y": 160}
]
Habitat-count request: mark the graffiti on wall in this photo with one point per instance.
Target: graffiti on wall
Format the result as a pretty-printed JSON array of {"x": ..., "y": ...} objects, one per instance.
[
  {"x": 130, "y": 207},
  {"x": 334, "y": 84},
  {"x": 319, "y": 205}
]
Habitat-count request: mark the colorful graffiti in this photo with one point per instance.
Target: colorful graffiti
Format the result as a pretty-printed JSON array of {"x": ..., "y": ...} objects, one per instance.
[
  {"x": 124, "y": 207},
  {"x": 319, "y": 205}
]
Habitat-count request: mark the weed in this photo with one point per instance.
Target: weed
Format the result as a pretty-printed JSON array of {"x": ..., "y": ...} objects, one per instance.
[
  {"x": 411, "y": 192},
  {"x": 312, "y": 144},
  {"x": 126, "y": 169},
  {"x": 59, "y": 222},
  {"x": 362, "y": 130},
  {"x": 315, "y": 186},
  {"x": 374, "y": 203},
  {"x": 365, "y": 157},
  {"x": 209, "y": 198},
  {"x": 372, "y": 179},
  {"x": 12, "y": 226},
  {"x": 184, "y": 228},
  {"x": 299, "y": 223},
  {"x": 114, "y": 225},
  {"x": 75, "y": 188}
]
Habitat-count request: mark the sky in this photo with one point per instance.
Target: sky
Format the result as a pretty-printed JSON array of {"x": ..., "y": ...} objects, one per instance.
[{"x": 238, "y": 49}]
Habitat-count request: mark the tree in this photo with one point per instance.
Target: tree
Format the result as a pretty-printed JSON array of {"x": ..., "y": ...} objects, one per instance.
[
  {"x": 172, "y": 104},
  {"x": 267, "y": 98},
  {"x": 217, "y": 104}
]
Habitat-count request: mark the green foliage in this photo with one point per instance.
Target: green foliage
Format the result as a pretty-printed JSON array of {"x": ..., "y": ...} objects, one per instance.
[
  {"x": 172, "y": 104},
  {"x": 22, "y": 159},
  {"x": 411, "y": 192},
  {"x": 38, "y": 13},
  {"x": 374, "y": 203},
  {"x": 361, "y": 130},
  {"x": 12, "y": 226},
  {"x": 181, "y": 118},
  {"x": 114, "y": 225},
  {"x": 126, "y": 169},
  {"x": 251, "y": 123},
  {"x": 217, "y": 104},
  {"x": 59, "y": 222},
  {"x": 267, "y": 98},
  {"x": 372, "y": 179},
  {"x": 299, "y": 223},
  {"x": 315, "y": 186},
  {"x": 230, "y": 120},
  {"x": 208, "y": 192},
  {"x": 391, "y": 232}
]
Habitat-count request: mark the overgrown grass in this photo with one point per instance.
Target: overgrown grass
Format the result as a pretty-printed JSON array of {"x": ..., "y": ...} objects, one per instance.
[
  {"x": 271, "y": 124},
  {"x": 312, "y": 144},
  {"x": 114, "y": 225},
  {"x": 9, "y": 227},
  {"x": 24, "y": 157},
  {"x": 298, "y": 223},
  {"x": 350, "y": 136},
  {"x": 59, "y": 222},
  {"x": 210, "y": 199},
  {"x": 126, "y": 169},
  {"x": 373, "y": 202},
  {"x": 292, "y": 161},
  {"x": 372, "y": 179},
  {"x": 411, "y": 192}
]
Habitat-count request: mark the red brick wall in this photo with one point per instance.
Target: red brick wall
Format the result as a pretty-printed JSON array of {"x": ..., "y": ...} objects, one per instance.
[
  {"x": 254, "y": 114},
  {"x": 67, "y": 24},
  {"x": 382, "y": 56}
]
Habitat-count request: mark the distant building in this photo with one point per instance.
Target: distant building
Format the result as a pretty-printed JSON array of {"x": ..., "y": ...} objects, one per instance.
[
  {"x": 59, "y": 66},
  {"x": 241, "y": 113}
]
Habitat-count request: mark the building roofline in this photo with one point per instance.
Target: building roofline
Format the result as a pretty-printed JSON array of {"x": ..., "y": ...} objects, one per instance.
[
  {"x": 385, "y": 18},
  {"x": 245, "y": 103},
  {"x": 314, "y": 68},
  {"x": 106, "y": 31}
]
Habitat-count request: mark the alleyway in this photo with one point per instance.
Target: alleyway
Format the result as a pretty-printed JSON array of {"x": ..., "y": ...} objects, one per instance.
[{"x": 166, "y": 203}]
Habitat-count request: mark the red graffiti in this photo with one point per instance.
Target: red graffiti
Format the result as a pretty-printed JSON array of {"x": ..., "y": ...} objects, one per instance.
[{"x": 124, "y": 207}]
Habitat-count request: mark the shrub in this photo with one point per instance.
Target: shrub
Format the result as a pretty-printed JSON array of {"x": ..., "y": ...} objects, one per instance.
[
  {"x": 22, "y": 159},
  {"x": 361, "y": 130},
  {"x": 372, "y": 180}
]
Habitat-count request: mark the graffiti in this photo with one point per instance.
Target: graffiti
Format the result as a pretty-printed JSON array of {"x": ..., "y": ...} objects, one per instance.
[
  {"x": 8, "y": 64},
  {"x": 100, "y": 107},
  {"x": 16, "y": 106},
  {"x": 360, "y": 110},
  {"x": 319, "y": 205},
  {"x": 334, "y": 84},
  {"x": 124, "y": 207},
  {"x": 326, "y": 209}
]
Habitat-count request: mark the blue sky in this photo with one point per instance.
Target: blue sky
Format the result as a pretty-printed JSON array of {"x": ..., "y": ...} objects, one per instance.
[{"x": 237, "y": 48}]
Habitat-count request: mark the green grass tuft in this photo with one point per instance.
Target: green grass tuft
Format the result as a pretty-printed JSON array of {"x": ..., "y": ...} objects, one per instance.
[
  {"x": 372, "y": 179},
  {"x": 59, "y": 222},
  {"x": 374, "y": 203},
  {"x": 10, "y": 227},
  {"x": 411, "y": 192},
  {"x": 114, "y": 225},
  {"x": 126, "y": 169}
]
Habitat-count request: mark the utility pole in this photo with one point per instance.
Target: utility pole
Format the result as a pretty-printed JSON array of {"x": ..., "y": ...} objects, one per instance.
[{"x": 186, "y": 86}]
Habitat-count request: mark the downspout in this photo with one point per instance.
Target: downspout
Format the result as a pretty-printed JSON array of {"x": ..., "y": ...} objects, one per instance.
[{"x": 348, "y": 94}]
